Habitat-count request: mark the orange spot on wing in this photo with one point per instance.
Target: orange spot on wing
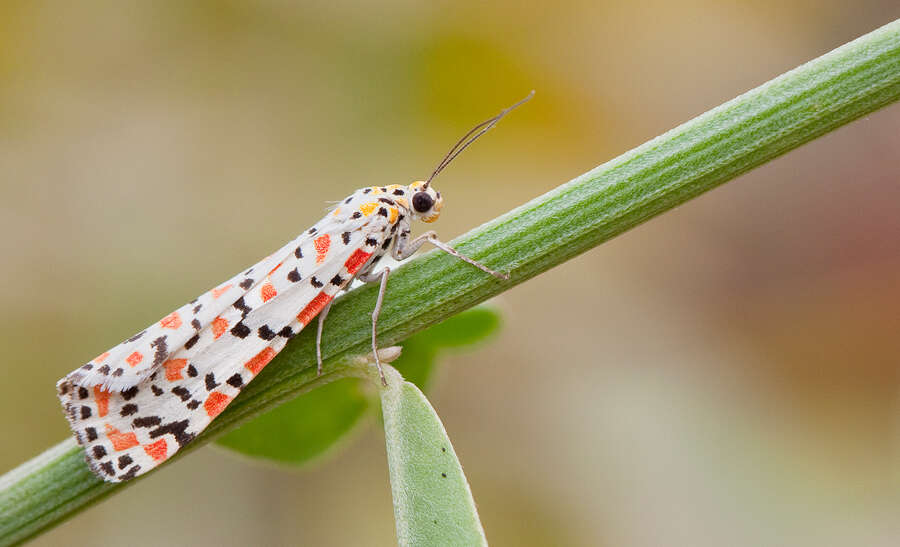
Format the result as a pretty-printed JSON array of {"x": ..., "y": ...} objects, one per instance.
[
  {"x": 216, "y": 403},
  {"x": 101, "y": 397},
  {"x": 321, "y": 243},
  {"x": 356, "y": 260},
  {"x": 313, "y": 308},
  {"x": 220, "y": 291},
  {"x": 219, "y": 325},
  {"x": 134, "y": 359},
  {"x": 173, "y": 369},
  {"x": 267, "y": 292},
  {"x": 367, "y": 208},
  {"x": 157, "y": 450},
  {"x": 275, "y": 268},
  {"x": 100, "y": 358},
  {"x": 120, "y": 441},
  {"x": 260, "y": 360},
  {"x": 171, "y": 321},
  {"x": 336, "y": 212}
]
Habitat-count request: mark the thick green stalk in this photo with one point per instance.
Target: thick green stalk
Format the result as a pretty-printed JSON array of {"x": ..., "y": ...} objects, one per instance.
[{"x": 851, "y": 81}]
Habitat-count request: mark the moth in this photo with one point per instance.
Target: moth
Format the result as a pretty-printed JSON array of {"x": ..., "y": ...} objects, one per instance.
[{"x": 136, "y": 405}]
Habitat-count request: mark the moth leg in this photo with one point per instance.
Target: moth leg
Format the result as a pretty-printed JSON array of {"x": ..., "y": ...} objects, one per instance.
[
  {"x": 322, "y": 315},
  {"x": 405, "y": 247},
  {"x": 368, "y": 278}
]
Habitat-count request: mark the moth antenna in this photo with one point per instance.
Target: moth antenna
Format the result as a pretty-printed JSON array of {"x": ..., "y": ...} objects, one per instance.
[{"x": 472, "y": 136}]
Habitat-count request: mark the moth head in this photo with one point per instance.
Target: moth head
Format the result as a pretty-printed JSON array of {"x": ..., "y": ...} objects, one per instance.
[{"x": 425, "y": 202}]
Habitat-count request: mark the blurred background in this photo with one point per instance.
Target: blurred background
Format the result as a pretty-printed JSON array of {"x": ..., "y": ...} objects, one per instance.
[{"x": 724, "y": 374}]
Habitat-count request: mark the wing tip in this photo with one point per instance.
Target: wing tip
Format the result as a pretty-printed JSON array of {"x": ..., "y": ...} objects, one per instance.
[{"x": 66, "y": 390}]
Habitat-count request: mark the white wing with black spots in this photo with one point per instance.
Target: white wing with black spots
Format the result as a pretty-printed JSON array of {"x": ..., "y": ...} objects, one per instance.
[
  {"x": 126, "y": 433},
  {"x": 133, "y": 360}
]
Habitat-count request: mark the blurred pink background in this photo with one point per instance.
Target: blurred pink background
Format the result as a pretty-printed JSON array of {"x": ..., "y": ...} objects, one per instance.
[{"x": 724, "y": 374}]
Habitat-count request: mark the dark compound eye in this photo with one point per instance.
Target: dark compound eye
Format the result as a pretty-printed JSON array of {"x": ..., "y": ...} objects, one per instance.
[{"x": 422, "y": 202}]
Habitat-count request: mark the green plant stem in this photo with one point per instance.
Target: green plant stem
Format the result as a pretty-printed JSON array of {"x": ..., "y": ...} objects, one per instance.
[{"x": 851, "y": 81}]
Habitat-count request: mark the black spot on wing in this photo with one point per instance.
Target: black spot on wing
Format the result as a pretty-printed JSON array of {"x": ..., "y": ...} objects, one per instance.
[
  {"x": 129, "y": 393},
  {"x": 193, "y": 340},
  {"x": 91, "y": 434},
  {"x": 239, "y": 304},
  {"x": 211, "y": 382},
  {"x": 293, "y": 276},
  {"x": 136, "y": 336},
  {"x": 246, "y": 284},
  {"x": 128, "y": 409},
  {"x": 235, "y": 381},
  {"x": 182, "y": 392},
  {"x": 240, "y": 330},
  {"x": 345, "y": 237},
  {"x": 316, "y": 283},
  {"x": 146, "y": 421},
  {"x": 161, "y": 350},
  {"x": 99, "y": 451},
  {"x": 266, "y": 333},
  {"x": 124, "y": 461},
  {"x": 132, "y": 473},
  {"x": 176, "y": 429}
]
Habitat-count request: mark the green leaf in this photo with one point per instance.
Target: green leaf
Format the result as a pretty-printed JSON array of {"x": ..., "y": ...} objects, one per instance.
[
  {"x": 421, "y": 350},
  {"x": 312, "y": 424},
  {"x": 433, "y": 504},
  {"x": 303, "y": 429}
]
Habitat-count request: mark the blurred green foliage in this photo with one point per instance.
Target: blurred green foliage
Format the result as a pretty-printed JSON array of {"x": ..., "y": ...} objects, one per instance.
[{"x": 310, "y": 425}]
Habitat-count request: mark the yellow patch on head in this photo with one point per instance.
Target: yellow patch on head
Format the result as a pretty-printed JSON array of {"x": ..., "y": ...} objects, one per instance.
[
  {"x": 376, "y": 190},
  {"x": 394, "y": 214},
  {"x": 367, "y": 208},
  {"x": 402, "y": 202}
]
